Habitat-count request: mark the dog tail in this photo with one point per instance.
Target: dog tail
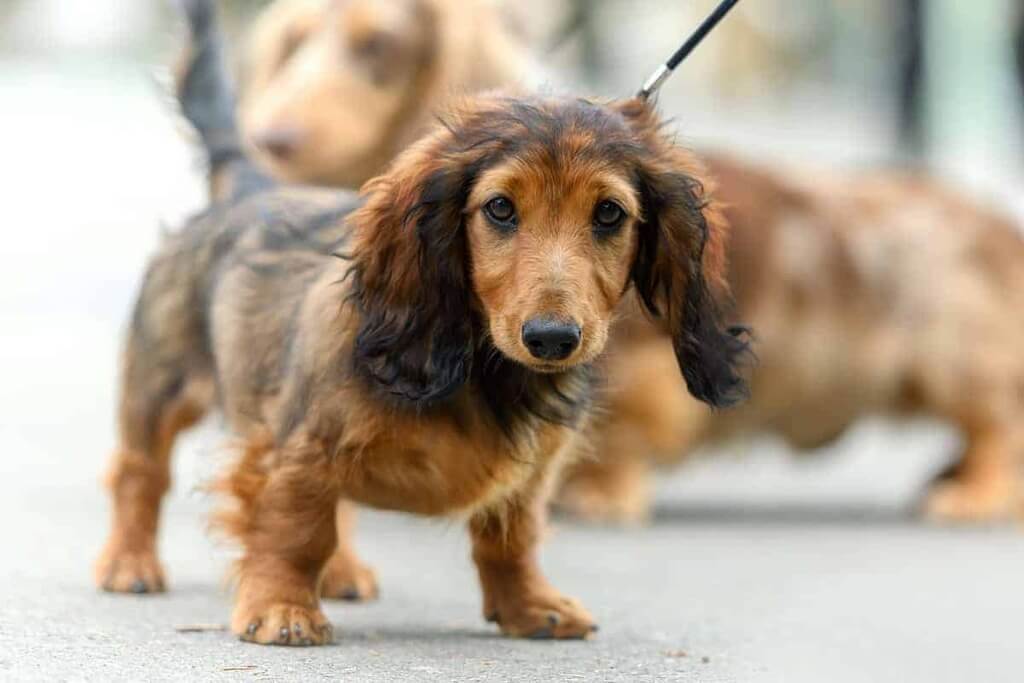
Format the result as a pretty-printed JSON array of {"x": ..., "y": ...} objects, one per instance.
[{"x": 207, "y": 100}]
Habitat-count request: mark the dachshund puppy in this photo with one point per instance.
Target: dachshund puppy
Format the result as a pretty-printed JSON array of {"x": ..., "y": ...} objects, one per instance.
[
  {"x": 440, "y": 366},
  {"x": 334, "y": 89},
  {"x": 876, "y": 293}
]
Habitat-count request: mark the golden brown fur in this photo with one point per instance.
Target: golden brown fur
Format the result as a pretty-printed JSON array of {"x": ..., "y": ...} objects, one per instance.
[
  {"x": 869, "y": 294},
  {"x": 402, "y": 375},
  {"x": 334, "y": 89}
]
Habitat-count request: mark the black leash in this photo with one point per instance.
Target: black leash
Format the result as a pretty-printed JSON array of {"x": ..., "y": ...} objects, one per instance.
[{"x": 656, "y": 79}]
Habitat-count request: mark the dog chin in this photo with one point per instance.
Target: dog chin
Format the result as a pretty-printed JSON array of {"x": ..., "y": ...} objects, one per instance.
[{"x": 549, "y": 368}]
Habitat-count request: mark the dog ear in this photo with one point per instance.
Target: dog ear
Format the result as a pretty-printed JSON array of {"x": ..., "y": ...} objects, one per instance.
[
  {"x": 411, "y": 279},
  {"x": 680, "y": 267}
]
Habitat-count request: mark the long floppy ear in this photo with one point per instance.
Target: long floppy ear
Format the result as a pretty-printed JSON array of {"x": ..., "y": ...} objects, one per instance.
[
  {"x": 411, "y": 279},
  {"x": 680, "y": 265}
]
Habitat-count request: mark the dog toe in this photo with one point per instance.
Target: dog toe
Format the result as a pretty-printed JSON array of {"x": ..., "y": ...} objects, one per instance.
[{"x": 284, "y": 624}]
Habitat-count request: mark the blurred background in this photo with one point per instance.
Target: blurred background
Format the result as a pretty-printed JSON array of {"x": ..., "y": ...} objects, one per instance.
[
  {"x": 930, "y": 81},
  {"x": 95, "y": 153},
  {"x": 769, "y": 563}
]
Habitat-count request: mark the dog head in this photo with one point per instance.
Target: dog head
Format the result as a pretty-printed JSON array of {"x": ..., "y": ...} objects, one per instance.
[
  {"x": 334, "y": 89},
  {"x": 334, "y": 84},
  {"x": 518, "y": 226}
]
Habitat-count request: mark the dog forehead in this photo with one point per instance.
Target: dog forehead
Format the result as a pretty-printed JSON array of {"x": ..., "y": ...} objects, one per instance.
[
  {"x": 555, "y": 145},
  {"x": 534, "y": 181},
  {"x": 567, "y": 129},
  {"x": 356, "y": 20},
  {"x": 558, "y": 128}
]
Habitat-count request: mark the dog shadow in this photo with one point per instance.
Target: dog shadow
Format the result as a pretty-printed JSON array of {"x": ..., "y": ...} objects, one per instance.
[{"x": 786, "y": 514}]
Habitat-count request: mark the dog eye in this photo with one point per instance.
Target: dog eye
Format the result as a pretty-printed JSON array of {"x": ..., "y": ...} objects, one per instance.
[
  {"x": 608, "y": 217},
  {"x": 501, "y": 212}
]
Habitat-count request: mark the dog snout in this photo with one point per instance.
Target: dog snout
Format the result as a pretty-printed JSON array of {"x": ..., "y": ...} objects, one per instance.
[
  {"x": 551, "y": 339},
  {"x": 281, "y": 142}
]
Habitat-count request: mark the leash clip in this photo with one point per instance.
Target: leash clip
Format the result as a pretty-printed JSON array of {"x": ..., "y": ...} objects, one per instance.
[{"x": 655, "y": 81}]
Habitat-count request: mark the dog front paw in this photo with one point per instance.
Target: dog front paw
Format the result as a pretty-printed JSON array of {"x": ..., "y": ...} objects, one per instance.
[
  {"x": 119, "y": 570},
  {"x": 345, "y": 578},
  {"x": 282, "y": 624},
  {"x": 542, "y": 616}
]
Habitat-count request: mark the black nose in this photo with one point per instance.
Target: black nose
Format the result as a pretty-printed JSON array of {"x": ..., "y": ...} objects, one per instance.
[{"x": 550, "y": 339}]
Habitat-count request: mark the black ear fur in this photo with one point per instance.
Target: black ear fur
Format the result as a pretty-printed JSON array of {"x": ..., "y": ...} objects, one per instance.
[
  {"x": 669, "y": 274},
  {"x": 418, "y": 344}
]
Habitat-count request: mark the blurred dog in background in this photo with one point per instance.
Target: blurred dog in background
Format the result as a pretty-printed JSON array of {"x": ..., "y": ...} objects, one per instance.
[
  {"x": 334, "y": 89},
  {"x": 869, "y": 294}
]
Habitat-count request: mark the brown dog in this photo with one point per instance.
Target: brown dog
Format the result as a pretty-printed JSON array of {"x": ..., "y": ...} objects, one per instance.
[
  {"x": 820, "y": 289},
  {"x": 440, "y": 366},
  {"x": 334, "y": 89},
  {"x": 868, "y": 294}
]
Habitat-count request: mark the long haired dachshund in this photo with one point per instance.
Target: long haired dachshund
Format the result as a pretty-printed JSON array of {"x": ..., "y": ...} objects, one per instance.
[
  {"x": 870, "y": 294},
  {"x": 334, "y": 89},
  {"x": 440, "y": 365}
]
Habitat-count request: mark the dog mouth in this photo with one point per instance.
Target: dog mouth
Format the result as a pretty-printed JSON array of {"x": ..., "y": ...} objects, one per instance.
[
  {"x": 554, "y": 367},
  {"x": 549, "y": 368}
]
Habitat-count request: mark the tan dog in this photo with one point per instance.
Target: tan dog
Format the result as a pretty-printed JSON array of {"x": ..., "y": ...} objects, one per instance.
[
  {"x": 869, "y": 294},
  {"x": 426, "y": 348},
  {"x": 336, "y": 88}
]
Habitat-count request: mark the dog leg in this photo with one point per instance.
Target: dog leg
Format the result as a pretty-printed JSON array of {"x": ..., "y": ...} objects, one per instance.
[
  {"x": 139, "y": 476},
  {"x": 288, "y": 531},
  {"x": 345, "y": 577},
  {"x": 984, "y": 485},
  {"x": 615, "y": 490},
  {"x": 516, "y": 595}
]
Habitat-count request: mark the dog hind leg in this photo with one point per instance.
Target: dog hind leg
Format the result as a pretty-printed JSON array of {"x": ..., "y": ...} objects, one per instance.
[
  {"x": 345, "y": 576},
  {"x": 985, "y": 484},
  {"x": 616, "y": 489},
  {"x": 158, "y": 402}
]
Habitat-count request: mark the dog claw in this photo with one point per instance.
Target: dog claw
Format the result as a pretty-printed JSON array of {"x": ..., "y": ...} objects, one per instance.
[
  {"x": 285, "y": 624},
  {"x": 351, "y": 594},
  {"x": 542, "y": 634},
  {"x": 139, "y": 586},
  {"x": 553, "y": 619},
  {"x": 493, "y": 617}
]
